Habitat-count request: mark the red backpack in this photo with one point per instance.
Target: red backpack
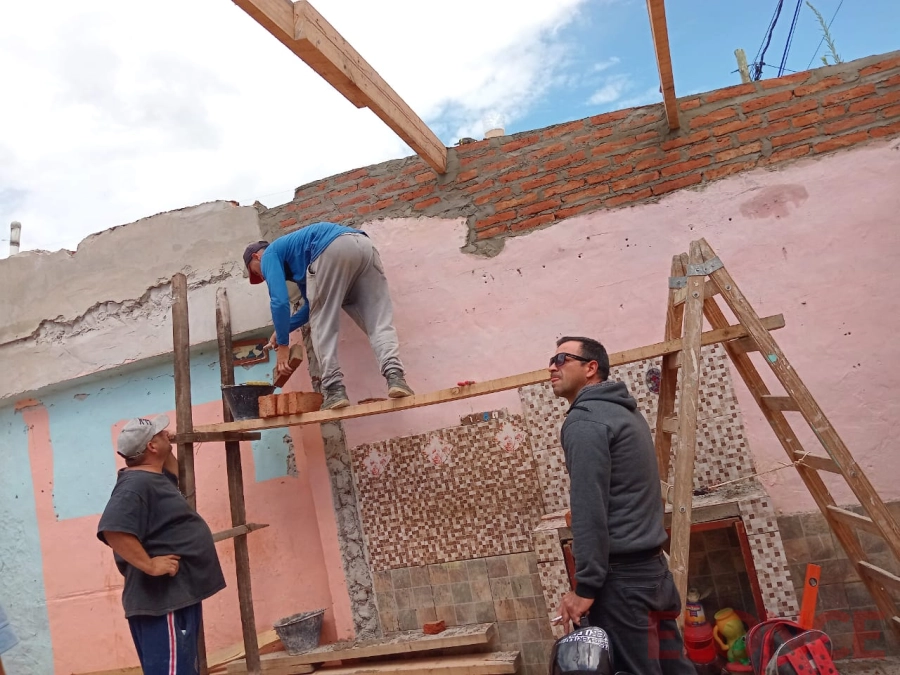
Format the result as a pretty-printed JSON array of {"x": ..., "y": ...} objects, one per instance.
[{"x": 782, "y": 647}]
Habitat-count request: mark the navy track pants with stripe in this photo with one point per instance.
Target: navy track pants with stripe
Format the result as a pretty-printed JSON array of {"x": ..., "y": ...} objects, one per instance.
[{"x": 167, "y": 645}]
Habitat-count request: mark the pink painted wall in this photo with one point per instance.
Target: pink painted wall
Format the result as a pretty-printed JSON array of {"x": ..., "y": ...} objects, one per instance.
[
  {"x": 295, "y": 565},
  {"x": 815, "y": 240}
]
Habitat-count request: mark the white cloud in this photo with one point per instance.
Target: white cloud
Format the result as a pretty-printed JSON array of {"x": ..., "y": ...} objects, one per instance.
[
  {"x": 118, "y": 110},
  {"x": 612, "y": 90},
  {"x": 604, "y": 65}
]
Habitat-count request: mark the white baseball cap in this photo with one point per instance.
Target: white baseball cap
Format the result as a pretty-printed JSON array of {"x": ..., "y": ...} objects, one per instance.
[{"x": 133, "y": 438}]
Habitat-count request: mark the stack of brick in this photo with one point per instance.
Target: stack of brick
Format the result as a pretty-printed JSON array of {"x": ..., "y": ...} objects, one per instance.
[{"x": 293, "y": 403}]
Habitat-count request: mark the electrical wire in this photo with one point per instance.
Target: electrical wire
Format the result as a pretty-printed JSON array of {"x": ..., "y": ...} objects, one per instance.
[
  {"x": 759, "y": 61},
  {"x": 790, "y": 38},
  {"x": 816, "y": 53}
]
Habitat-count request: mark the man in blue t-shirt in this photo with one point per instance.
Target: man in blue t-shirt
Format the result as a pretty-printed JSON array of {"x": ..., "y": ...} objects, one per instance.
[
  {"x": 335, "y": 267},
  {"x": 162, "y": 547}
]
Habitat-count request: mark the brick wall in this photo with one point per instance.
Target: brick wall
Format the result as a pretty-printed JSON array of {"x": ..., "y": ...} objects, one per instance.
[{"x": 510, "y": 185}]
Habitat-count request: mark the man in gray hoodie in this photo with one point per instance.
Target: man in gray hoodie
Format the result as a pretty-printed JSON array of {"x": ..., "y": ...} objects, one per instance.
[{"x": 622, "y": 581}]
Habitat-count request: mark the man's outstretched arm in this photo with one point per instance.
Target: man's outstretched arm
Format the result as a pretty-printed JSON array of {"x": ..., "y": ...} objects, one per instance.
[{"x": 130, "y": 549}]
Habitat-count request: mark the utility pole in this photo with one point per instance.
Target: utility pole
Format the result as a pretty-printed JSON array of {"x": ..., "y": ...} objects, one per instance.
[{"x": 743, "y": 68}]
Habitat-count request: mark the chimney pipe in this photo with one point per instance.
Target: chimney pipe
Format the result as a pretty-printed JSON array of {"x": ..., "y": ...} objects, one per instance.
[{"x": 15, "y": 232}]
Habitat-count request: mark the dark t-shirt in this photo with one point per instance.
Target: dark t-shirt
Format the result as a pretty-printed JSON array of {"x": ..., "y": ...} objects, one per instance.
[{"x": 149, "y": 506}]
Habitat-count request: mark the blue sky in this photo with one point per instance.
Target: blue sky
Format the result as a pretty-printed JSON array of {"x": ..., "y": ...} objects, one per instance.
[{"x": 123, "y": 110}]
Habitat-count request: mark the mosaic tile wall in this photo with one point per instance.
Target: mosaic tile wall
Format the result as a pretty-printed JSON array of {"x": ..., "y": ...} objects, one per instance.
[
  {"x": 503, "y": 589},
  {"x": 722, "y": 452},
  {"x": 466, "y": 492}
]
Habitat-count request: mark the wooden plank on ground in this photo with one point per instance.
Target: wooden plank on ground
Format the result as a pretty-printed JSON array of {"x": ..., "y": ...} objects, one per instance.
[
  {"x": 657, "y": 11},
  {"x": 477, "y": 389},
  {"x": 493, "y": 663},
  {"x": 267, "y": 642},
  {"x": 403, "y": 643},
  {"x": 132, "y": 670}
]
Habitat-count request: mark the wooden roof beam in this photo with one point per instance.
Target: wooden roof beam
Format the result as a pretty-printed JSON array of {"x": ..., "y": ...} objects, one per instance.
[
  {"x": 299, "y": 27},
  {"x": 657, "y": 11}
]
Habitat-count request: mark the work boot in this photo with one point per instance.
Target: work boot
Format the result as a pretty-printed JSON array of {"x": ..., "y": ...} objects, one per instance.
[
  {"x": 335, "y": 397},
  {"x": 397, "y": 387}
]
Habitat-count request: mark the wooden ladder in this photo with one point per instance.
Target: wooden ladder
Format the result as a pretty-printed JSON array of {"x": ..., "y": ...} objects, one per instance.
[{"x": 695, "y": 280}]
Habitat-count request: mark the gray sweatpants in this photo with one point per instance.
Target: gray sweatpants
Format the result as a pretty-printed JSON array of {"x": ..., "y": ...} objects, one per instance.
[{"x": 349, "y": 274}]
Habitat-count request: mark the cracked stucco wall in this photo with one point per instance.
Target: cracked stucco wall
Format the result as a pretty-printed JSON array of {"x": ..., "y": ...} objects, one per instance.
[{"x": 68, "y": 315}]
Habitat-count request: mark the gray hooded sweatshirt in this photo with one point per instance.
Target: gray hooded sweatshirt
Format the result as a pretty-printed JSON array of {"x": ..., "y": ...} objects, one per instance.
[{"x": 614, "y": 493}]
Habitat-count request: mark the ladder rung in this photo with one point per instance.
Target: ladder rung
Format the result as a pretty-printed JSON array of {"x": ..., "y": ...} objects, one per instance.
[
  {"x": 780, "y": 403},
  {"x": 709, "y": 290},
  {"x": 880, "y": 576},
  {"x": 854, "y": 520},
  {"x": 743, "y": 345},
  {"x": 670, "y": 424},
  {"x": 820, "y": 463}
]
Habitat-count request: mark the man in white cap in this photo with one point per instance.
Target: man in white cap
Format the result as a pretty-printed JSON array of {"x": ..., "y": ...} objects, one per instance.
[{"x": 162, "y": 547}]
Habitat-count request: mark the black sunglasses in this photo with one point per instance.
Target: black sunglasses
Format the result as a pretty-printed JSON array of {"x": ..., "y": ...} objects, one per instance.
[{"x": 559, "y": 359}]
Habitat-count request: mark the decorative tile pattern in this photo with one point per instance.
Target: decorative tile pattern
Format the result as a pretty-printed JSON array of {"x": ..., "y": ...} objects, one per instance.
[
  {"x": 547, "y": 546},
  {"x": 769, "y": 557},
  {"x": 721, "y": 454},
  {"x": 465, "y": 492},
  {"x": 555, "y": 584}
]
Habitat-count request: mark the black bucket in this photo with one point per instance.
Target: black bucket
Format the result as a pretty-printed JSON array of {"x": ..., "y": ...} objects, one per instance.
[{"x": 243, "y": 399}]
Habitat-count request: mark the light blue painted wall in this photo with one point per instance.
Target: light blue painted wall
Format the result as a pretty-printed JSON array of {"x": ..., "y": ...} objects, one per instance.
[{"x": 21, "y": 572}]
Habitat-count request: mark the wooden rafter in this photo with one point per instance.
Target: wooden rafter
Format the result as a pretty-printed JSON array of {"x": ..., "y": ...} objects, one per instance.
[
  {"x": 657, "y": 11},
  {"x": 299, "y": 27}
]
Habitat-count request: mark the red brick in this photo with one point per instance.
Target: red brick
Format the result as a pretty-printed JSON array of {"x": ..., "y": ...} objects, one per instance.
[
  {"x": 424, "y": 177},
  {"x": 518, "y": 175},
  {"x": 288, "y": 222},
  {"x": 587, "y": 193},
  {"x": 643, "y": 119},
  {"x": 496, "y": 167},
  {"x": 793, "y": 109},
  {"x": 469, "y": 160},
  {"x": 740, "y": 151},
  {"x": 885, "y": 130},
  {"x": 607, "y": 118},
  {"x": 433, "y": 627},
  {"x": 539, "y": 206},
  {"x": 493, "y": 196},
  {"x": 785, "y": 155},
  {"x": 689, "y": 104},
  {"x": 531, "y": 223},
  {"x": 466, "y": 176},
  {"x": 875, "y": 102},
  {"x": 768, "y": 130},
  {"x": 711, "y": 118},
  {"x": 628, "y": 197},
  {"x": 805, "y": 120},
  {"x": 794, "y": 137},
  {"x": 888, "y": 113},
  {"x": 377, "y": 206},
  {"x": 761, "y": 102},
  {"x": 787, "y": 80},
  {"x": 267, "y": 406},
  {"x": 576, "y": 209},
  {"x": 310, "y": 188},
  {"x": 315, "y": 215},
  {"x": 827, "y": 83},
  {"x": 358, "y": 199},
  {"x": 548, "y": 150},
  {"x": 394, "y": 187},
  {"x": 539, "y": 181},
  {"x": 714, "y": 145},
  {"x": 353, "y": 175},
  {"x": 512, "y": 203},
  {"x": 683, "y": 167},
  {"x": 892, "y": 81},
  {"x": 607, "y": 176},
  {"x": 635, "y": 154},
  {"x": 426, "y": 203},
  {"x": 611, "y": 146},
  {"x": 568, "y": 160},
  {"x": 563, "y": 188},
  {"x": 369, "y": 182},
  {"x": 647, "y": 135},
  {"x": 634, "y": 181},
  {"x": 685, "y": 140},
  {"x": 849, "y": 94},
  {"x": 415, "y": 194},
  {"x": 491, "y": 231},
  {"x": 676, "y": 184},
  {"x": 415, "y": 167},
  {"x": 306, "y": 204},
  {"x": 853, "y": 122},
  {"x": 478, "y": 187},
  {"x": 834, "y": 111},
  {"x": 728, "y": 169},
  {"x": 881, "y": 66},
  {"x": 841, "y": 141},
  {"x": 729, "y": 92},
  {"x": 594, "y": 135},
  {"x": 520, "y": 143},
  {"x": 502, "y": 217},
  {"x": 589, "y": 167},
  {"x": 479, "y": 147},
  {"x": 737, "y": 125},
  {"x": 340, "y": 193},
  {"x": 654, "y": 162},
  {"x": 563, "y": 129}
]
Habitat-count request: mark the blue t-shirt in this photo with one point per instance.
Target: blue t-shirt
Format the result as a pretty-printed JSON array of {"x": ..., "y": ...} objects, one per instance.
[{"x": 288, "y": 257}]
